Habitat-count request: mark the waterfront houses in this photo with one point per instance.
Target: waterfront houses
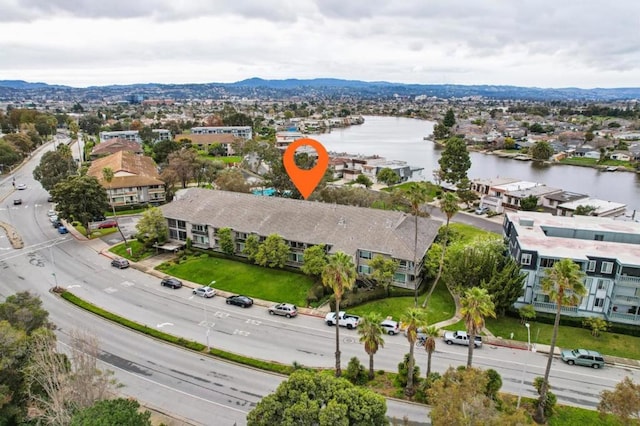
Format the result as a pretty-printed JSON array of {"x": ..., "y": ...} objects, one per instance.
[
  {"x": 198, "y": 214},
  {"x": 607, "y": 250}
]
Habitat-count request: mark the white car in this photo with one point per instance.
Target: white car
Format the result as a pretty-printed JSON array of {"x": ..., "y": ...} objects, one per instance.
[
  {"x": 21, "y": 186},
  {"x": 51, "y": 213},
  {"x": 206, "y": 292},
  {"x": 53, "y": 218}
]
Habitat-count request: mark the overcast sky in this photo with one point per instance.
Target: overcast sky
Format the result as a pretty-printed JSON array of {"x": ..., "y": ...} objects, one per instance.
[{"x": 542, "y": 43}]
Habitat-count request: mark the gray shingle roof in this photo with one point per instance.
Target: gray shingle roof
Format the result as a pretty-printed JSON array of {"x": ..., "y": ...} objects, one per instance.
[{"x": 345, "y": 228}]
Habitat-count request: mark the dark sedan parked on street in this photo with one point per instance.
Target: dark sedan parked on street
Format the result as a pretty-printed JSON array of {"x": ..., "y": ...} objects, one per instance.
[
  {"x": 239, "y": 300},
  {"x": 171, "y": 282}
]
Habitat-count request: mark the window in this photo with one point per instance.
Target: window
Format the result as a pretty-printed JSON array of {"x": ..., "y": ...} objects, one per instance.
[
  {"x": 364, "y": 269},
  {"x": 525, "y": 259},
  {"x": 172, "y": 223},
  {"x": 365, "y": 254},
  {"x": 598, "y": 237},
  {"x": 591, "y": 266},
  {"x": 606, "y": 268},
  {"x": 547, "y": 263},
  {"x": 602, "y": 284},
  {"x": 599, "y": 303},
  {"x": 400, "y": 278}
]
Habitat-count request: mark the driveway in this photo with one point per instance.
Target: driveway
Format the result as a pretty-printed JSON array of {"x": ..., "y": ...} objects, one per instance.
[{"x": 127, "y": 225}]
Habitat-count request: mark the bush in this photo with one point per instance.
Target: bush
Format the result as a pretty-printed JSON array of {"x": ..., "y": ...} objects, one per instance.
[
  {"x": 355, "y": 372},
  {"x": 403, "y": 373},
  {"x": 494, "y": 383}
]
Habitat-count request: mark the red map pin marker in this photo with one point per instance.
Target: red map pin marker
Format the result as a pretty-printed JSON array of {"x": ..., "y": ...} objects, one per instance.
[{"x": 305, "y": 180}]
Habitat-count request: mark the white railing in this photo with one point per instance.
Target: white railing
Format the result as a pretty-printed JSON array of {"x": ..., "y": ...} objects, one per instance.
[{"x": 553, "y": 308}]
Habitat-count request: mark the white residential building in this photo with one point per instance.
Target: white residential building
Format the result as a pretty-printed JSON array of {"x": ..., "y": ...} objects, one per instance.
[{"x": 242, "y": 132}]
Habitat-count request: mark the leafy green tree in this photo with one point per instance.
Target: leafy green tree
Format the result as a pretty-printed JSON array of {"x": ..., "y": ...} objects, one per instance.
[
  {"x": 541, "y": 150},
  {"x": 550, "y": 398},
  {"x": 225, "y": 241},
  {"x": 152, "y": 227},
  {"x": 309, "y": 398},
  {"x": 121, "y": 412},
  {"x": 449, "y": 206},
  {"x": 363, "y": 180},
  {"x": 596, "y": 324},
  {"x": 413, "y": 319},
  {"x": 355, "y": 373},
  {"x": 273, "y": 252},
  {"x": 80, "y": 198},
  {"x": 454, "y": 161},
  {"x": 14, "y": 350},
  {"x": 232, "y": 180},
  {"x": 370, "y": 332},
  {"x": 9, "y": 154},
  {"x": 388, "y": 176},
  {"x": 564, "y": 284},
  {"x": 315, "y": 259},
  {"x": 505, "y": 284},
  {"x": 527, "y": 313},
  {"x": 339, "y": 275},
  {"x": 449, "y": 119},
  {"x": 55, "y": 166},
  {"x": 384, "y": 268},
  {"x": 465, "y": 193},
  {"x": 623, "y": 402},
  {"x": 441, "y": 132},
  {"x": 184, "y": 162},
  {"x": 417, "y": 193},
  {"x": 162, "y": 150},
  {"x": 583, "y": 210},
  {"x": 251, "y": 247},
  {"x": 529, "y": 204},
  {"x": 475, "y": 306},
  {"x": 21, "y": 141},
  {"x": 90, "y": 124},
  {"x": 24, "y": 311},
  {"x": 509, "y": 143}
]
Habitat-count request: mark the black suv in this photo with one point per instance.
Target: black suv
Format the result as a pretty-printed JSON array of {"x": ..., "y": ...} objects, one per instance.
[
  {"x": 240, "y": 300},
  {"x": 171, "y": 282}
]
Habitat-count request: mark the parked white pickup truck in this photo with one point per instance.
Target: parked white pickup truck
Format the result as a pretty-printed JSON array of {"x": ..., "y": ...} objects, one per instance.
[
  {"x": 344, "y": 320},
  {"x": 461, "y": 338}
]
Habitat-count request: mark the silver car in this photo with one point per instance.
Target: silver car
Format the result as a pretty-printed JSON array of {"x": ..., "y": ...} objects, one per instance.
[
  {"x": 205, "y": 292},
  {"x": 285, "y": 309}
]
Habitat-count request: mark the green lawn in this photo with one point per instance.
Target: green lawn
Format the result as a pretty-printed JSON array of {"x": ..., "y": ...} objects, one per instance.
[
  {"x": 467, "y": 233},
  {"x": 568, "y": 337},
  {"x": 581, "y": 161},
  {"x": 238, "y": 277},
  {"x": 138, "y": 251},
  {"x": 440, "y": 308},
  {"x": 565, "y": 415},
  {"x": 126, "y": 212}
]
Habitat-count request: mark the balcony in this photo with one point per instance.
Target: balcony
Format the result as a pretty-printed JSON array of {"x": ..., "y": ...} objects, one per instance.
[
  {"x": 626, "y": 300},
  {"x": 624, "y": 318},
  {"x": 627, "y": 281},
  {"x": 551, "y": 307}
]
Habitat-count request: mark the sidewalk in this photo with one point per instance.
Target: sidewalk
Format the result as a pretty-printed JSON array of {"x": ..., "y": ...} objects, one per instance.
[{"x": 149, "y": 264}]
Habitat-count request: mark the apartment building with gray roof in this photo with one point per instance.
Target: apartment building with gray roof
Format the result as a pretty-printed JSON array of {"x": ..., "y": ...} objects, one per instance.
[{"x": 362, "y": 233}]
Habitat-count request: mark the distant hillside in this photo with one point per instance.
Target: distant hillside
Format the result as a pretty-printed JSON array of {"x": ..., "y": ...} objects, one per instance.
[{"x": 318, "y": 87}]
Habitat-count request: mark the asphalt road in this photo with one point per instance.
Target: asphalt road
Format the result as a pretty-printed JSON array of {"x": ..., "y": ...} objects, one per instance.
[{"x": 196, "y": 388}]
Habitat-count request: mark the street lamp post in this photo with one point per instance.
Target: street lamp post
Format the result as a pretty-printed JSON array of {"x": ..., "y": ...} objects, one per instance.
[{"x": 524, "y": 363}]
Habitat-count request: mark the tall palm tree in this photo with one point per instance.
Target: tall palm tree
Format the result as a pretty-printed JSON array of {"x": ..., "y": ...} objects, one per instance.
[
  {"x": 370, "y": 332},
  {"x": 476, "y": 305},
  {"x": 339, "y": 275},
  {"x": 413, "y": 319},
  {"x": 449, "y": 206},
  {"x": 565, "y": 287},
  {"x": 430, "y": 344},
  {"x": 108, "y": 175},
  {"x": 417, "y": 194}
]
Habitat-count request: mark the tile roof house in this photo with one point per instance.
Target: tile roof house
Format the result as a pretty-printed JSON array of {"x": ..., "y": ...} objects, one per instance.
[
  {"x": 136, "y": 179},
  {"x": 226, "y": 141},
  {"x": 111, "y": 146},
  {"x": 362, "y": 233}
]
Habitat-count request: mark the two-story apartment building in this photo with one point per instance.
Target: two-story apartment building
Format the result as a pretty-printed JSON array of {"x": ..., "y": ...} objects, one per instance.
[
  {"x": 242, "y": 132},
  {"x": 607, "y": 250},
  {"x": 130, "y": 135},
  {"x": 198, "y": 214},
  {"x": 135, "y": 179}
]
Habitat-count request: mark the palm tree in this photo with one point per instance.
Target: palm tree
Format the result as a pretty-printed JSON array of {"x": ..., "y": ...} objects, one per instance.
[
  {"x": 370, "y": 333},
  {"x": 430, "y": 344},
  {"x": 417, "y": 194},
  {"x": 449, "y": 206},
  {"x": 339, "y": 275},
  {"x": 108, "y": 175},
  {"x": 413, "y": 319},
  {"x": 564, "y": 285},
  {"x": 476, "y": 305}
]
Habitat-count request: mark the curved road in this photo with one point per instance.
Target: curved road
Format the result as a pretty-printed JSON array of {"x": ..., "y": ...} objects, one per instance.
[{"x": 193, "y": 386}]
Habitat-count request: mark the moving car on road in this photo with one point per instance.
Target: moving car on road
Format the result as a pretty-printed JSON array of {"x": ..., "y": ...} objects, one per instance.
[
  {"x": 205, "y": 292},
  {"x": 285, "y": 309},
  {"x": 171, "y": 282},
  {"x": 17, "y": 201},
  {"x": 390, "y": 327},
  {"x": 583, "y": 357},
  {"x": 21, "y": 186},
  {"x": 240, "y": 300}
]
